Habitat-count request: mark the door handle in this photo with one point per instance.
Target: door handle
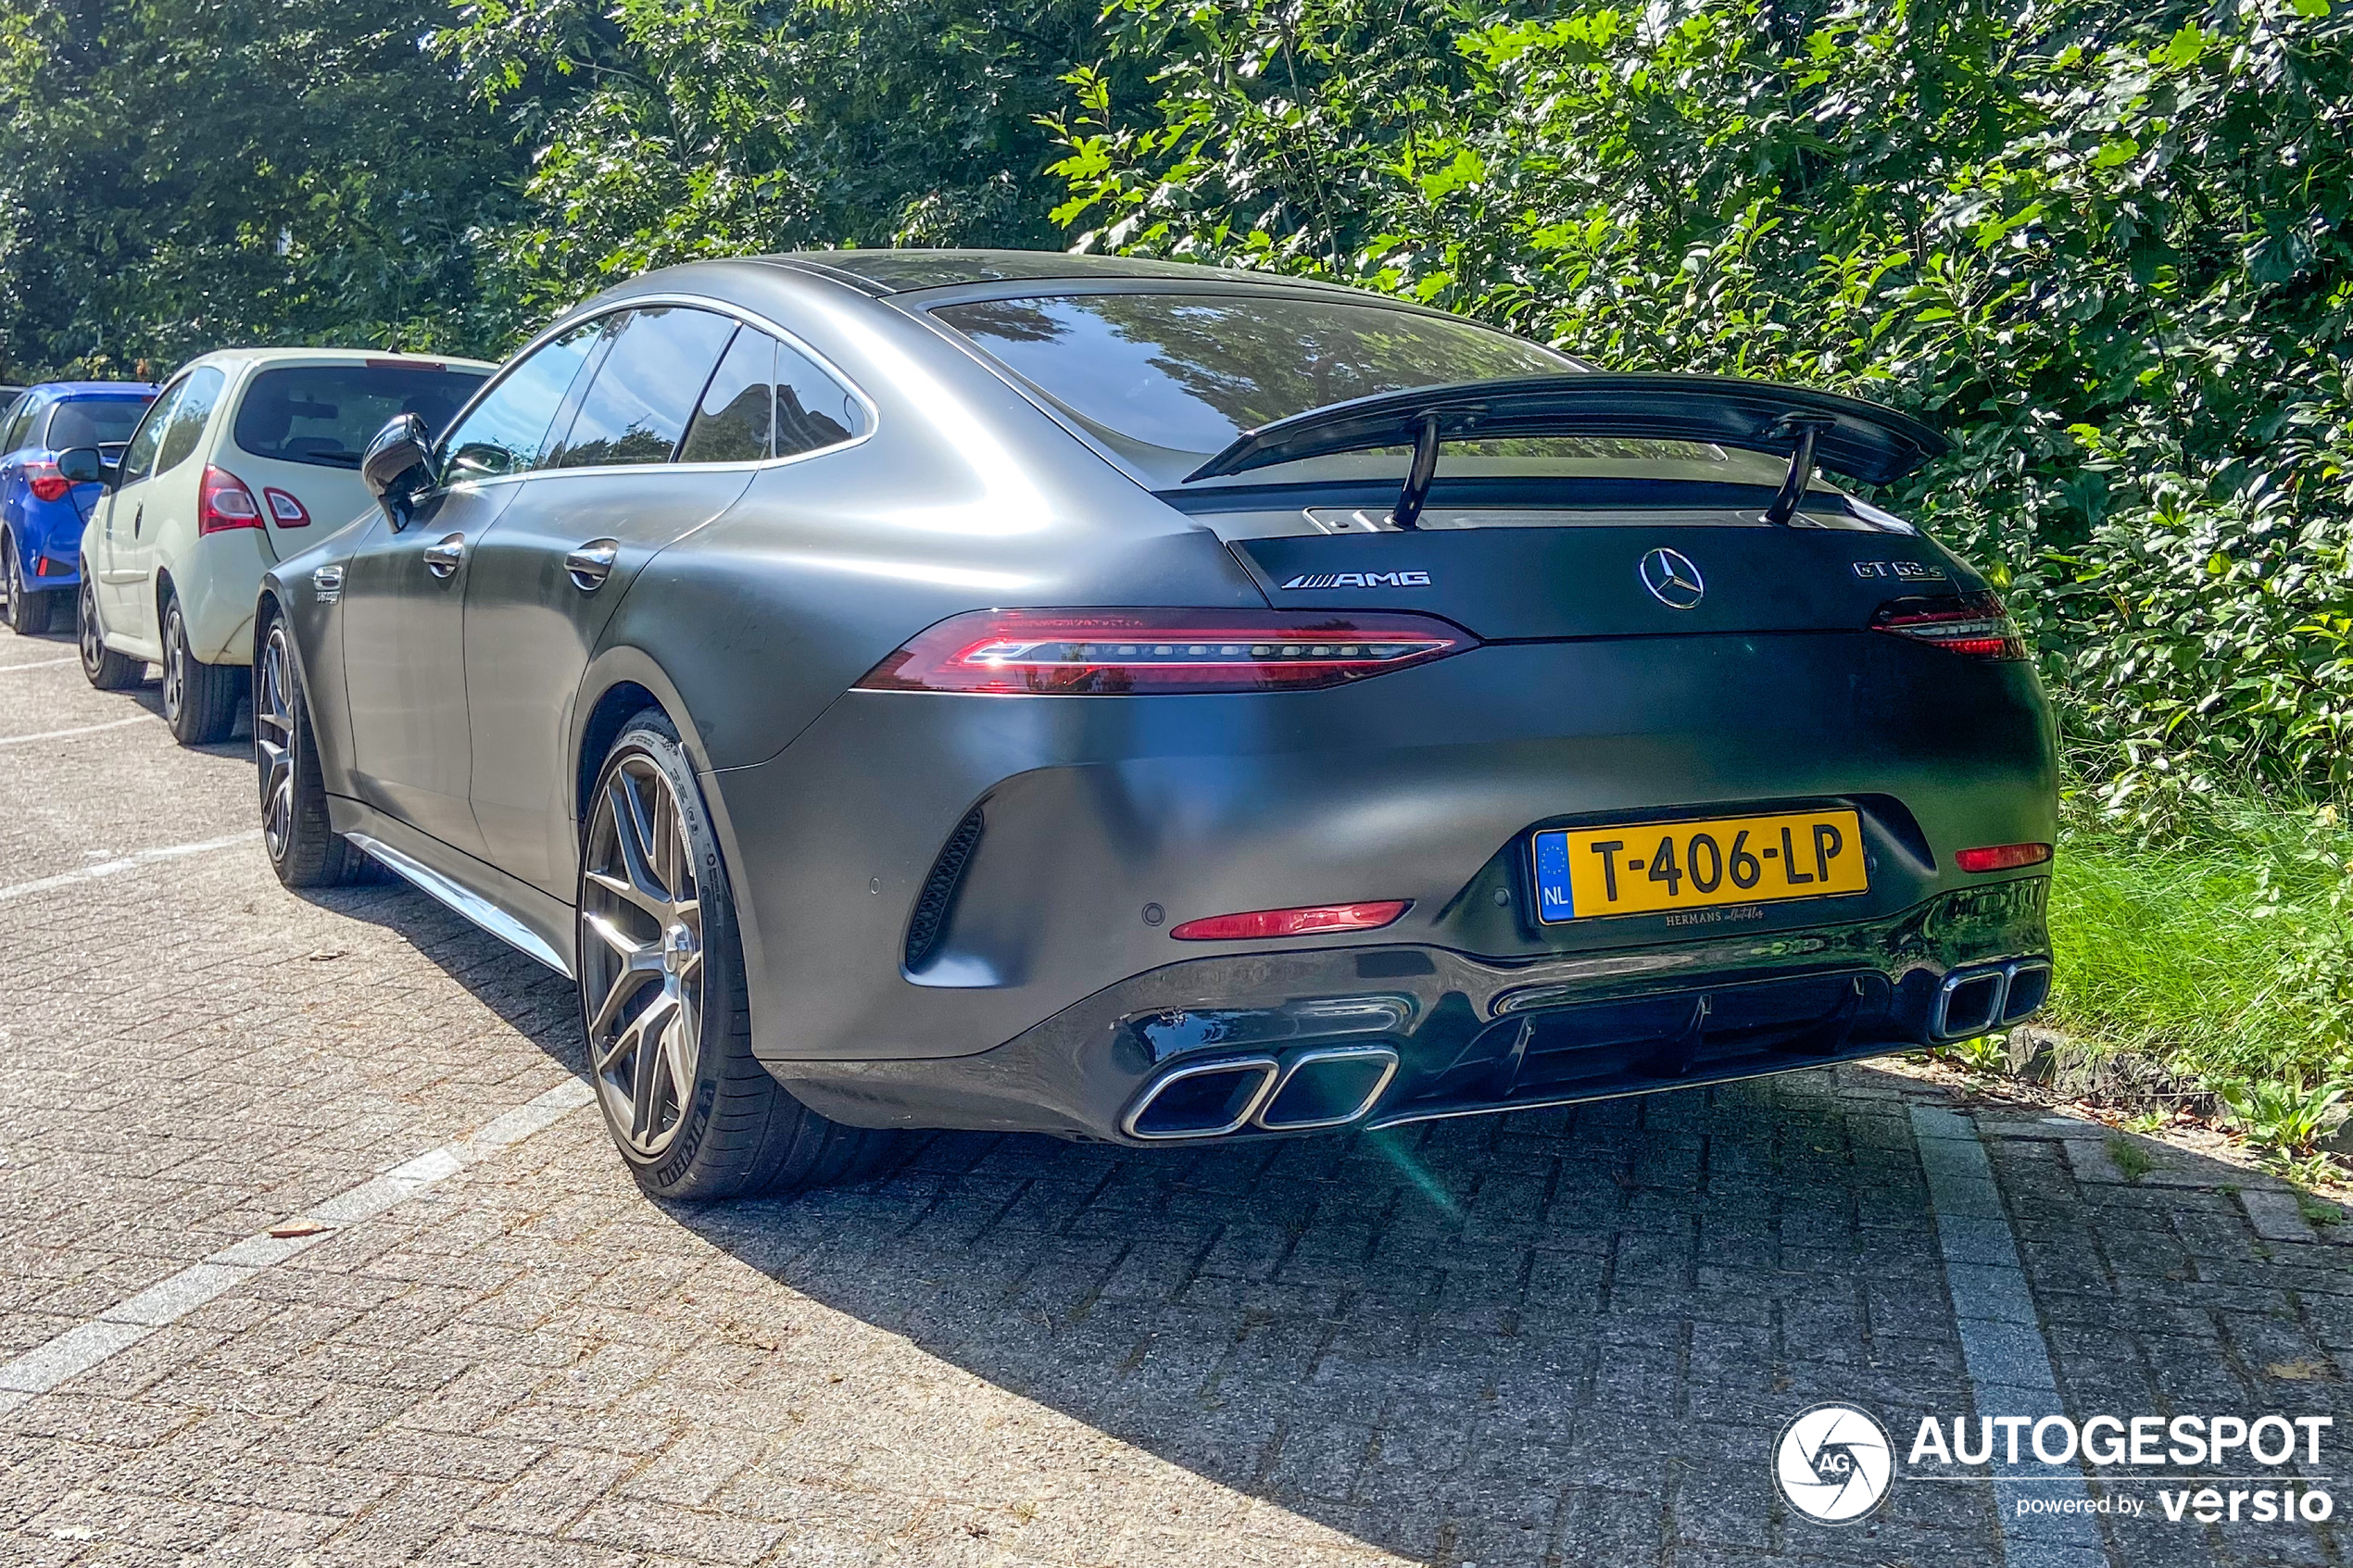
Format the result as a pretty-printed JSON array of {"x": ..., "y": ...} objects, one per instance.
[
  {"x": 443, "y": 556},
  {"x": 137, "y": 517},
  {"x": 592, "y": 563}
]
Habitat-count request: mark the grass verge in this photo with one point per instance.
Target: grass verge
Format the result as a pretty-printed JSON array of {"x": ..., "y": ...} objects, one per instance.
[
  {"x": 2210, "y": 970},
  {"x": 2209, "y": 952}
]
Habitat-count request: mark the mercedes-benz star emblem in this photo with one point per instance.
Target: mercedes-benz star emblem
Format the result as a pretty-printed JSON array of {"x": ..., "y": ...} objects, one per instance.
[{"x": 1673, "y": 580}]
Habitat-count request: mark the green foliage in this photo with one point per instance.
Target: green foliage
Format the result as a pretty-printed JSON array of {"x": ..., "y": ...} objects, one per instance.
[
  {"x": 674, "y": 129},
  {"x": 2221, "y": 955},
  {"x": 1980, "y": 1053},
  {"x": 2106, "y": 247},
  {"x": 2129, "y": 1158},
  {"x": 177, "y": 176},
  {"x": 2284, "y": 1118}
]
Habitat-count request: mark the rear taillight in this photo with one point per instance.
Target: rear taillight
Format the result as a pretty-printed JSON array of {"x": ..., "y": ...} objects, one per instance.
[
  {"x": 225, "y": 503},
  {"x": 1135, "y": 652},
  {"x": 1972, "y": 624},
  {"x": 1307, "y": 922},
  {"x": 285, "y": 510},
  {"x": 47, "y": 483},
  {"x": 2001, "y": 857}
]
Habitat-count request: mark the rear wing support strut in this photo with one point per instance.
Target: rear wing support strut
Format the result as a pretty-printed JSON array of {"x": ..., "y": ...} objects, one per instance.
[
  {"x": 1407, "y": 513},
  {"x": 1805, "y": 431}
]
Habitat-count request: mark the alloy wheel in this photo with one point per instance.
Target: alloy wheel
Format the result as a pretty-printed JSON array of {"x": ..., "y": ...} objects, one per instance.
[
  {"x": 175, "y": 666},
  {"x": 93, "y": 646},
  {"x": 641, "y": 956},
  {"x": 273, "y": 741},
  {"x": 15, "y": 586}
]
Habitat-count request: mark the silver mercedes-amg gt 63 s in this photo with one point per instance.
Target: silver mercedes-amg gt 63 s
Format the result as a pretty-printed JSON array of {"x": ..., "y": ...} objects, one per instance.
[{"x": 1154, "y": 704}]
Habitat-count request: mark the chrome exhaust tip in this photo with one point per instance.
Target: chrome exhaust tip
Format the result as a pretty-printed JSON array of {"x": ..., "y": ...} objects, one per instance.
[
  {"x": 2029, "y": 987},
  {"x": 1207, "y": 1099},
  {"x": 1327, "y": 1088},
  {"x": 1973, "y": 1000}
]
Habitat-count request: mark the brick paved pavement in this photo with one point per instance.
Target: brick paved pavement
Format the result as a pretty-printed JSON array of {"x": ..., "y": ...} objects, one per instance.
[{"x": 1563, "y": 1337}]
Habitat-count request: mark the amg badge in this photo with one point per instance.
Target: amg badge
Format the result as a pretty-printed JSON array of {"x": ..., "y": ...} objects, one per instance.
[{"x": 1360, "y": 580}]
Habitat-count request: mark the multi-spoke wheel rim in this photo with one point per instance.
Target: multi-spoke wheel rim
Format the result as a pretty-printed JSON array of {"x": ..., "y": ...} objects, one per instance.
[
  {"x": 94, "y": 647},
  {"x": 16, "y": 590},
  {"x": 641, "y": 965},
  {"x": 175, "y": 673},
  {"x": 273, "y": 741}
]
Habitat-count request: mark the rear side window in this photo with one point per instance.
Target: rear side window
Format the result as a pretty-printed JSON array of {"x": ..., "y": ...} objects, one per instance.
[
  {"x": 768, "y": 399},
  {"x": 1191, "y": 372},
  {"x": 189, "y": 416},
  {"x": 93, "y": 421},
  {"x": 326, "y": 415},
  {"x": 17, "y": 433},
  {"x": 738, "y": 409},
  {"x": 812, "y": 410},
  {"x": 646, "y": 387},
  {"x": 139, "y": 457}
]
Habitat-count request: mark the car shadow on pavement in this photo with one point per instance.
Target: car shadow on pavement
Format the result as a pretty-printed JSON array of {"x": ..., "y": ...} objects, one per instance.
[
  {"x": 1557, "y": 1337},
  {"x": 525, "y": 995}
]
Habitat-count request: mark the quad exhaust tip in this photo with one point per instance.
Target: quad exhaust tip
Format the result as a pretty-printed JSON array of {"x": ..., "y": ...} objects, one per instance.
[
  {"x": 1327, "y": 1087},
  {"x": 1974, "y": 1000}
]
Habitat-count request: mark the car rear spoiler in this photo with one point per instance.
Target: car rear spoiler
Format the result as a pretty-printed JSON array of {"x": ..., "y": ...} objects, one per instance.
[{"x": 1846, "y": 435}]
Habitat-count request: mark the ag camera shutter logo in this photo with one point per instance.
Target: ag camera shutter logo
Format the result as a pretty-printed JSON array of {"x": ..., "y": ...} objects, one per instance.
[{"x": 1833, "y": 1464}]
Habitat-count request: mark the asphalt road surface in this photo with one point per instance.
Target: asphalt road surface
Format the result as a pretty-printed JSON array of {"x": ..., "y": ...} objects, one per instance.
[{"x": 1549, "y": 1338}]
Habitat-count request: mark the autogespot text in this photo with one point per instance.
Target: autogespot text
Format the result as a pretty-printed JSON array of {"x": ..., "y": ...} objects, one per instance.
[{"x": 2120, "y": 1445}]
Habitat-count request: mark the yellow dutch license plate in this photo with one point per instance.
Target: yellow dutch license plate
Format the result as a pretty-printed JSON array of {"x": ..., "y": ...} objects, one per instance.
[{"x": 1651, "y": 868}]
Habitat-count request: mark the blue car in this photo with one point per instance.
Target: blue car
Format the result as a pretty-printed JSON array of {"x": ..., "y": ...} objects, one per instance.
[{"x": 41, "y": 512}]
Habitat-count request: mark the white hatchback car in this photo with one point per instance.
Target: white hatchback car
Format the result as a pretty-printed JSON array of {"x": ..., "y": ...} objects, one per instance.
[{"x": 237, "y": 456}]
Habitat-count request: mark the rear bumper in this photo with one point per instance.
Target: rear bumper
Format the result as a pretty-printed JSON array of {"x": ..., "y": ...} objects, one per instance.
[
  {"x": 49, "y": 534},
  {"x": 1099, "y": 814},
  {"x": 219, "y": 582},
  {"x": 1232, "y": 1046}
]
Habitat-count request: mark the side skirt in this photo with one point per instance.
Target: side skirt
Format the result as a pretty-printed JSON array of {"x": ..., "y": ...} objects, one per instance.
[{"x": 518, "y": 915}]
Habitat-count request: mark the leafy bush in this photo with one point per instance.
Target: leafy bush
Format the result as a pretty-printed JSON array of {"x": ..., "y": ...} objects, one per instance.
[
  {"x": 673, "y": 130},
  {"x": 2105, "y": 246},
  {"x": 183, "y": 175}
]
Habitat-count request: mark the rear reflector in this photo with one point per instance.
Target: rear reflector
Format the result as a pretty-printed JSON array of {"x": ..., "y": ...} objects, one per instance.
[
  {"x": 2002, "y": 856},
  {"x": 1134, "y": 652},
  {"x": 45, "y": 481},
  {"x": 225, "y": 503},
  {"x": 285, "y": 510},
  {"x": 1972, "y": 624},
  {"x": 1308, "y": 921}
]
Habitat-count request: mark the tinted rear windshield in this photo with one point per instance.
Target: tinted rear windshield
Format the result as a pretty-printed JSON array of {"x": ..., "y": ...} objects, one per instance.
[
  {"x": 1191, "y": 372},
  {"x": 327, "y": 414},
  {"x": 94, "y": 422}
]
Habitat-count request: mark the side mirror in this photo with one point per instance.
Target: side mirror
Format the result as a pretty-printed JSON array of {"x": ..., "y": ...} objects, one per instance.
[
  {"x": 86, "y": 465},
  {"x": 394, "y": 468}
]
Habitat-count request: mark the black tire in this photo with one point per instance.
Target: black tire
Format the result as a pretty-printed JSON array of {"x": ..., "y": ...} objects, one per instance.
[
  {"x": 29, "y": 609},
  {"x": 107, "y": 670},
  {"x": 304, "y": 848},
  {"x": 732, "y": 1131},
  {"x": 199, "y": 699}
]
